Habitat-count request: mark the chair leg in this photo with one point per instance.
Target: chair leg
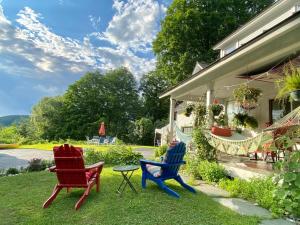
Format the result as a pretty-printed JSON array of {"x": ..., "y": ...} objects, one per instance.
[
  {"x": 83, "y": 197},
  {"x": 144, "y": 181},
  {"x": 180, "y": 181},
  {"x": 162, "y": 185},
  {"x": 52, "y": 197}
]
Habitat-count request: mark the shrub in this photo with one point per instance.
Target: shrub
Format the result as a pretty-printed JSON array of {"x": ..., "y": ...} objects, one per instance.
[
  {"x": 204, "y": 150},
  {"x": 37, "y": 164},
  {"x": 115, "y": 155},
  {"x": 161, "y": 150},
  {"x": 10, "y": 135},
  {"x": 211, "y": 171},
  {"x": 258, "y": 190},
  {"x": 12, "y": 171}
]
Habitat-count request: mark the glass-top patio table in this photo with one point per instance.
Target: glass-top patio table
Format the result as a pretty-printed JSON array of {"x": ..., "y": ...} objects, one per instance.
[{"x": 126, "y": 172}]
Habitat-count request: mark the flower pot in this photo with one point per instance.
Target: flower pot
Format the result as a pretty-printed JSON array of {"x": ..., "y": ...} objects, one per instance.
[{"x": 295, "y": 95}]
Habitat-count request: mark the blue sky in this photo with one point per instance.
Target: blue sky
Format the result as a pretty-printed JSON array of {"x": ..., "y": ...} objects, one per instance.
[{"x": 47, "y": 45}]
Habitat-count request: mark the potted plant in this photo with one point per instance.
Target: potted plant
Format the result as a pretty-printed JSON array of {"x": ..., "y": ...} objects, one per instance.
[
  {"x": 289, "y": 84},
  {"x": 246, "y": 96},
  {"x": 216, "y": 109},
  {"x": 189, "y": 109},
  {"x": 244, "y": 120}
]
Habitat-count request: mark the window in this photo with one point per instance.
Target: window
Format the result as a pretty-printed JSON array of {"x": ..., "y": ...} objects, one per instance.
[
  {"x": 277, "y": 110},
  {"x": 187, "y": 130}
]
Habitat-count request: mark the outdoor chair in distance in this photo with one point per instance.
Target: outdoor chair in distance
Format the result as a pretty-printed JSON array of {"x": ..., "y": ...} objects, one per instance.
[
  {"x": 167, "y": 169},
  {"x": 71, "y": 173}
]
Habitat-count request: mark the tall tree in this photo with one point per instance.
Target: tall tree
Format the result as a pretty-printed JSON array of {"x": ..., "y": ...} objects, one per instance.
[
  {"x": 111, "y": 98},
  {"x": 47, "y": 117},
  {"x": 192, "y": 27},
  {"x": 151, "y": 86}
]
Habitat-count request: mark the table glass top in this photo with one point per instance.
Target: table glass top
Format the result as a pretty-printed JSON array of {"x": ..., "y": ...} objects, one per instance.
[{"x": 126, "y": 168}]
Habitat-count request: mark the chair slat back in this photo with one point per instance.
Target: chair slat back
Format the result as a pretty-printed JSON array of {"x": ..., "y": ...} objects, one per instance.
[
  {"x": 69, "y": 165},
  {"x": 174, "y": 154}
]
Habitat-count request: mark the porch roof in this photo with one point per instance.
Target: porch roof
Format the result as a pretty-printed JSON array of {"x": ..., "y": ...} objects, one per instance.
[{"x": 271, "y": 47}]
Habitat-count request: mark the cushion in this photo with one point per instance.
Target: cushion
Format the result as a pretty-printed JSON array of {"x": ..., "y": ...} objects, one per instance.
[
  {"x": 225, "y": 132},
  {"x": 154, "y": 170}
]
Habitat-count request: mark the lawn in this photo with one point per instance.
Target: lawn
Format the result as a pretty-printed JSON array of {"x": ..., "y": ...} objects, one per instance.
[
  {"x": 49, "y": 146},
  {"x": 22, "y": 197}
]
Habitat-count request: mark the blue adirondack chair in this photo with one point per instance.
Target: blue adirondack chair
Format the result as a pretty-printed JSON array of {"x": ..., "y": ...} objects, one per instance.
[{"x": 165, "y": 170}]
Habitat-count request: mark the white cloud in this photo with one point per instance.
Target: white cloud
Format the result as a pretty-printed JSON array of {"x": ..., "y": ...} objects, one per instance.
[
  {"x": 31, "y": 48},
  {"x": 95, "y": 21},
  {"x": 134, "y": 25}
]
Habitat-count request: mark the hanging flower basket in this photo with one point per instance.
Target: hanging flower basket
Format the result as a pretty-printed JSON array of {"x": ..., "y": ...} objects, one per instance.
[
  {"x": 246, "y": 96},
  {"x": 188, "y": 110},
  {"x": 216, "y": 109}
]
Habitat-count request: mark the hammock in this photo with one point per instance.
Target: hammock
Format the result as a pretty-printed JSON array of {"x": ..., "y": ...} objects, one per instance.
[{"x": 238, "y": 144}]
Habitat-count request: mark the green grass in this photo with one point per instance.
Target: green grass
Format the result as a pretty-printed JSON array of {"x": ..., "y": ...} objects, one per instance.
[
  {"x": 49, "y": 146},
  {"x": 22, "y": 197}
]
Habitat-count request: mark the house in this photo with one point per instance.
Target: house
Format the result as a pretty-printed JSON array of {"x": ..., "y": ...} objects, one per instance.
[
  {"x": 254, "y": 53},
  {"x": 264, "y": 43}
]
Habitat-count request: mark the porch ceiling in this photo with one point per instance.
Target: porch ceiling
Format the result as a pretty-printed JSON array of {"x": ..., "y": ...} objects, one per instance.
[{"x": 273, "y": 47}]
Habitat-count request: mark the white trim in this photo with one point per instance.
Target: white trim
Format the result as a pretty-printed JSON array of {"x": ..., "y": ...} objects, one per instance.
[{"x": 253, "y": 46}]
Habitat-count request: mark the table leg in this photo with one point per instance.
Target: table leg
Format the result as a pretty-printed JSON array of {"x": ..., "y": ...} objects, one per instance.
[{"x": 125, "y": 181}]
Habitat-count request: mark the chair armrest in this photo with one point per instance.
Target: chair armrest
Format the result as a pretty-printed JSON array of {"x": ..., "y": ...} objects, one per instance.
[
  {"x": 144, "y": 162},
  {"x": 52, "y": 168},
  {"x": 94, "y": 166}
]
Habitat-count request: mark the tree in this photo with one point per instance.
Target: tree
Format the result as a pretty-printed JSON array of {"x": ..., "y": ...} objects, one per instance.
[
  {"x": 142, "y": 132},
  {"x": 47, "y": 117},
  {"x": 192, "y": 27},
  {"x": 151, "y": 86},
  {"x": 111, "y": 98}
]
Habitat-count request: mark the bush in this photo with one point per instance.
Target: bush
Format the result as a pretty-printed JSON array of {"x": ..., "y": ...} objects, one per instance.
[
  {"x": 211, "y": 171},
  {"x": 115, "y": 155},
  {"x": 10, "y": 135},
  {"x": 257, "y": 189},
  {"x": 36, "y": 164},
  {"x": 12, "y": 171},
  {"x": 161, "y": 150}
]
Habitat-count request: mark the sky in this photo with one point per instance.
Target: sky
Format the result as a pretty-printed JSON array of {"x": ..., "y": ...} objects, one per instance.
[{"x": 47, "y": 45}]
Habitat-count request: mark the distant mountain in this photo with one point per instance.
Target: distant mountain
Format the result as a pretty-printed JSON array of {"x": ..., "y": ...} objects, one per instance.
[{"x": 12, "y": 119}]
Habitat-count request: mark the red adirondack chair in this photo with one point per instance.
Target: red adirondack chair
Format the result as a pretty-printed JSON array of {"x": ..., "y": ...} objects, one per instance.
[{"x": 71, "y": 173}]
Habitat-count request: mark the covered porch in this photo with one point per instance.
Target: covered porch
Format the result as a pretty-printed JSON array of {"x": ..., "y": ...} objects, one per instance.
[{"x": 258, "y": 64}]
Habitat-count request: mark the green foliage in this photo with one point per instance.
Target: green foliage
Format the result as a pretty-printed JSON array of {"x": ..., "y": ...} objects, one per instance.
[
  {"x": 204, "y": 150},
  {"x": 216, "y": 109},
  {"x": 191, "y": 28},
  {"x": 287, "y": 192},
  {"x": 211, "y": 171},
  {"x": 257, "y": 189},
  {"x": 47, "y": 117},
  {"x": 12, "y": 171},
  {"x": 246, "y": 96},
  {"x": 10, "y": 135},
  {"x": 222, "y": 120},
  {"x": 37, "y": 164},
  {"x": 111, "y": 98},
  {"x": 115, "y": 155},
  {"x": 290, "y": 82},
  {"x": 244, "y": 120},
  {"x": 142, "y": 132},
  {"x": 161, "y": 150},
  {"x": 189, "y": 109},
  {"x": 152, "y": 85},
  {"x": 200, "y": 115}
]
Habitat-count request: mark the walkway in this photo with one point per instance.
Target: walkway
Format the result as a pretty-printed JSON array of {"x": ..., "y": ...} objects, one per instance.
[
  {"x": 239, "y": 205},
  {"x": 16, "y": 158}
]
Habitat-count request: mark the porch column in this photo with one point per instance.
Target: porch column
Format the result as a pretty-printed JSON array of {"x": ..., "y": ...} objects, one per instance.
[
  {"x": 171, "y": 118},
  {"x": 209, "y": 101}
]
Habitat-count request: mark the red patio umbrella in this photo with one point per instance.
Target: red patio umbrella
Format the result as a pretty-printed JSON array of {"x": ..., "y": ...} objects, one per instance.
[{"x": 102, "y": 129}]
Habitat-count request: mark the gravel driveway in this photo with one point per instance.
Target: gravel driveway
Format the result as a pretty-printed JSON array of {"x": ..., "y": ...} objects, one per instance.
[{"x": 17, "y": 158}]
